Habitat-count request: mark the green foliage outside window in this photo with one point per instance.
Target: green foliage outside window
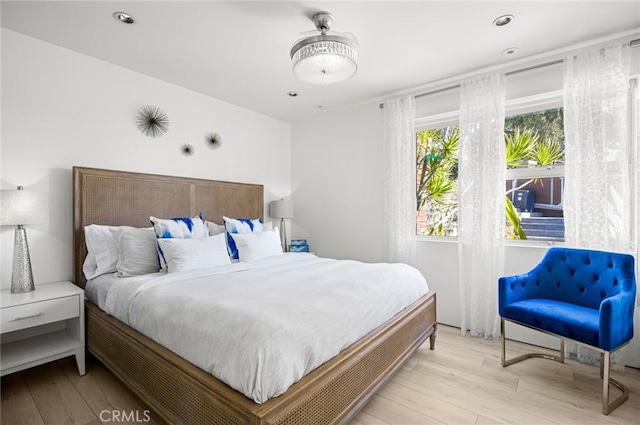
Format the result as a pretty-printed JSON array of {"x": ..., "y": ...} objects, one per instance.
[
  {"x": 437, "y": 181},
  {"x": 548, "y": 124},
  {"x": 535, "y": 139}
]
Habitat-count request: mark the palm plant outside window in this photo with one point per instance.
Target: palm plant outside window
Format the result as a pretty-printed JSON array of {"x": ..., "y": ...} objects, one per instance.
[{"x": 535, "y": 153}]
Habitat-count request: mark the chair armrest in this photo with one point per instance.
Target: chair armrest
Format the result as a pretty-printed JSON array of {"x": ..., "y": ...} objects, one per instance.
[
  {"x": 516, "y": 288},
  {"x": 616, "y": 318}
]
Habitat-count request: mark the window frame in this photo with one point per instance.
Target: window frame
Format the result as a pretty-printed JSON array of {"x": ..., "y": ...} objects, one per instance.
[
  {"x": 518, "y": 106},
  {"x": 634, "y": 175}
]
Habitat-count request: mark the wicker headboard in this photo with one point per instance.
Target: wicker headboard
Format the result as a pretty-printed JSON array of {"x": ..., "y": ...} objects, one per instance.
[{"x": 120, "y": 198}]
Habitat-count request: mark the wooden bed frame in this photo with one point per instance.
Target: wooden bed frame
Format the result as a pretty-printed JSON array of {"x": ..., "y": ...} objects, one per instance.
[{"x": 175, "y": 390}]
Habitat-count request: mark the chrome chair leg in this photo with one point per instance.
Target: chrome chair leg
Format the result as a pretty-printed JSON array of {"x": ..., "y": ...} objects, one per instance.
[
  {"x": 605, "y": 369},
  {"x": 608, "y": 407},
  {"x": 503, "y": 358}
]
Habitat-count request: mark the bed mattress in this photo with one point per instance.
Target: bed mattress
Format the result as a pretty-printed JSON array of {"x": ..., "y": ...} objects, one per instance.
[{"x": 261, "y": 326}]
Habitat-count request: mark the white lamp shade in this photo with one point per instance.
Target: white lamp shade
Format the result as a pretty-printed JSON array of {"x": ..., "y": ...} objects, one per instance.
[
  {"x": 19, "y": 207},
  {"x": 281, "y": 209}
]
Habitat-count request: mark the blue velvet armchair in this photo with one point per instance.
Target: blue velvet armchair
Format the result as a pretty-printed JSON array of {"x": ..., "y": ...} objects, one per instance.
[{"x": 581, "y": 295}]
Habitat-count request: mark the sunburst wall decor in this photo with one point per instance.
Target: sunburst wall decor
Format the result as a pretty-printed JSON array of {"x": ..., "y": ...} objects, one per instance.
[
  {"x": 152, "y": 121},
  {"x": 187, "y": 149},
  {"x": 213, "y": 140}
]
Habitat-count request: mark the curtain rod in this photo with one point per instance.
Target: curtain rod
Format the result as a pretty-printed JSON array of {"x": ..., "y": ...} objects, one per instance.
[
  {"x": 517, "y": 71},
  {"x": 632, "y": 43}
]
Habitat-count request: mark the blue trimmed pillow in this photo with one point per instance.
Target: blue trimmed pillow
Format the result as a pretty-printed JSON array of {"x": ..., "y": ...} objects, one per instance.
[
  {"x": 179, "y": 227},
  {"x": 240, "y": 225}
]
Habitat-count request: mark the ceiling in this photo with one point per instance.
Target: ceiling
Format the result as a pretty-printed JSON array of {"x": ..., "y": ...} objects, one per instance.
[{"x": 238, "y": 51}]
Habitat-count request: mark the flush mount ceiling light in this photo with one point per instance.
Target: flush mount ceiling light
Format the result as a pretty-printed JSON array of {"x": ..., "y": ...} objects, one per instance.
[
  {"x": 124, "y": 18},
  {"x": 503, "y": 20},
  {"x": 509, "y": 51},
  {"x": 324, "y": 56}
]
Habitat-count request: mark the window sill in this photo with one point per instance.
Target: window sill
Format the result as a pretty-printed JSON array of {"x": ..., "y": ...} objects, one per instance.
[
  {"x": 507, "y": 242},
  {"x": 439, "y": 239}
]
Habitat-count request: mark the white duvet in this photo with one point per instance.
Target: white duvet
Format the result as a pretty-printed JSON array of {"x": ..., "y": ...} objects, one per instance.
[{"x": 261, "y": 326}]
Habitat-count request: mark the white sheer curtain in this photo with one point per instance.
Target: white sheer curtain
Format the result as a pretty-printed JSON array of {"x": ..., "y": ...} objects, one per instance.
[
  {"x": 399, "y": 181},
  {"x": 635, "y": 166},
  {"x": 597, "y": 201},
  {"x": 481, "y": 202}
]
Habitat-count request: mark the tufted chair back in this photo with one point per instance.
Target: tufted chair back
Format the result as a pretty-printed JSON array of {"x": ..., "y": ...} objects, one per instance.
[{"x": 580, "y": 276}]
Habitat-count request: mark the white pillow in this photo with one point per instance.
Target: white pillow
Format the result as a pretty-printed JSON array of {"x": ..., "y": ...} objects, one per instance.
[
  {"x": 214, "y": 229},
  {"x": 194, "y": 253},
  {"x": 102, "y": 247},
  {"x": 138, "y": 252},
  {"x": 254, "y": 246},
  {"x": 90, "y": 265}
]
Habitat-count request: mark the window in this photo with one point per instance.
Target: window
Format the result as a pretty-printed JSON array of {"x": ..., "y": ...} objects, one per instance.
[
  {"x": 534, "y": 188},
  {"x": 437, "y": 181},
  {"x": 535, "y": 175}
]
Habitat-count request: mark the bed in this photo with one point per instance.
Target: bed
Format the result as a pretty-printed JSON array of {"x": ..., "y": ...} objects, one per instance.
[{"x": 179, "y": 392}]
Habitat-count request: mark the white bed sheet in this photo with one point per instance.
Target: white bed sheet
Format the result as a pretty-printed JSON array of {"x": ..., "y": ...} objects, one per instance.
[
  {"x": 261, "y": 326},
  {"x": 96, "y": 289}
]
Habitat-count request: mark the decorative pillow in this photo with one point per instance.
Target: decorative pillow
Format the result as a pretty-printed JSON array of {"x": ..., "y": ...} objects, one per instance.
[
  {"x": 102, "y": 248},
  {"x": 299, "y": 248},
  {"x": 240, "y": 226},
  {"x": 214, "y": 229},
  {"x": 195, "y": 253},
  {"x": 179, "y": 227},
  {"x": 257, "y": 245},
  {"x": 138, "y": 253}
]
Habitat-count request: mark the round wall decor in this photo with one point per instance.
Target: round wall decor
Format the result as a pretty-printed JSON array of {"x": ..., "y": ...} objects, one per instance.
[
  {"x": 187, "y": 149},
  {"x": 152, "y": 121},
  {"x": 213, "y": 140}
]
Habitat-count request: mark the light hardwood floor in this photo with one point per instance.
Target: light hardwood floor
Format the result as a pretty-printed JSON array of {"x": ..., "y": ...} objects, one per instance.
[{"x": 461, "y": 382}]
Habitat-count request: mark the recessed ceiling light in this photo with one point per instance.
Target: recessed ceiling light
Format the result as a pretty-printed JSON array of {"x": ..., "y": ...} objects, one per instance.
[
  {"x": 124, "y": 18},
  {"x": 509, "y": 51},
  {"x": 292, "y": 93},
  {"x": 503, "y": 20}
]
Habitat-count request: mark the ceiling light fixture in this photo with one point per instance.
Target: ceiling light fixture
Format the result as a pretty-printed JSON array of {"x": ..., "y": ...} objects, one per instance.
[
  {"x": 292, "y": 93},
  {"x": 124, "y": 18},
  {"x": 324, "y": 56},
  {"x": 509, "y": 51},
  {"x": 503, "y": 20}
]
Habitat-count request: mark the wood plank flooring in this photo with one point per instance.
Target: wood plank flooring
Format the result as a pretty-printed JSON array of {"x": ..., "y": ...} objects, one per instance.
[{"x": 461, "y": 382}]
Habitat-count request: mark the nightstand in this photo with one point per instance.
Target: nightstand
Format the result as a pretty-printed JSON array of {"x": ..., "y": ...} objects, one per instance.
[{"x": 41, "y": 326}]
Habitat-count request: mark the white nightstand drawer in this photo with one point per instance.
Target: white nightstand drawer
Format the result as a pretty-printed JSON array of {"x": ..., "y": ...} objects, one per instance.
[{"x": 39, "y": 313}]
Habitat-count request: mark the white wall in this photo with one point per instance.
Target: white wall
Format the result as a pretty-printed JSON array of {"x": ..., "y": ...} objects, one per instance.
[
  {"x": 337, "y": 184},
  {"x": 61, "y": 108}
]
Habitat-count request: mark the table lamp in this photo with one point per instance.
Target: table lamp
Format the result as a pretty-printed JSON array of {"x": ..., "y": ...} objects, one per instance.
[
  {"x": 282, "y": 209},
  {"x": 20, "y": 207}
]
